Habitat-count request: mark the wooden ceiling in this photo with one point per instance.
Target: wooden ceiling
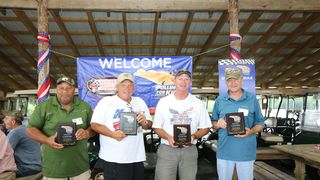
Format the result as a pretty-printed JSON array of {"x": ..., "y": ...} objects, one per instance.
[{"x": 282, "y": 36}]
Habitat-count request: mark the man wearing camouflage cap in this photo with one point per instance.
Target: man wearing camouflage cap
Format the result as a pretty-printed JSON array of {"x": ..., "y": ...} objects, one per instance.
[
  {"x": 122, "y": 155},
  {"x": 237, "y": 150},
  {"x": 59, "y": 161}
]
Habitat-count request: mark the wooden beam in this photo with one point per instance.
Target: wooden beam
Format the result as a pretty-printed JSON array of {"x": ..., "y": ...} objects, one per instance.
[
  {"x": 10, "y": 63},
  {"x": 297, "y": 66},
  {"x": 29, "y": 45},
  {"x": 162, "y": 33},
  {"x": 183, "y": 38},
  {"x": 29, "y": 25},
  {"x": 155, "y": 32},
  {"x": 56, "y": 62},
  {"x": 243, "y": 31},
  {"x": 151, "y": 20},
  {"x": 233, "y": 17},
  {"x": 306, "y": 72},
  {"x": 215, "y": 31},
  {"x": 290, "y": 58},
  {"x": 167, "y": 5},
  {"x": 5, "y": 89},
  {"x": 125, "y": 30},
  {"x": 311, "y": 20},
  {"x": 26, "y": 22},
  {"x": 9, "y": 37},
  {"x": 95, "y": 32},
  {"x": 274, "y": 28},
  {"x": 12, "y": 83},
  {"x": 60, "y": 23}
]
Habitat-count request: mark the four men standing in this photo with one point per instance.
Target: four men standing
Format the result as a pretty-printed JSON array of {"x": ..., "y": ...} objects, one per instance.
[{"x": 123, "y": 154}]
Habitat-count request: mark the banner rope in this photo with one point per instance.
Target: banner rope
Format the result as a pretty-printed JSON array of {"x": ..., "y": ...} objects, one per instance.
[{"x": 72, "y": 57}]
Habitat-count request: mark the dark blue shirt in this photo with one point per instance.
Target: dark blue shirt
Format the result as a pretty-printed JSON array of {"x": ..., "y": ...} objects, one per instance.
[
  {"x": 230, "y": 147},
  {"x": 26, "y": 151}
]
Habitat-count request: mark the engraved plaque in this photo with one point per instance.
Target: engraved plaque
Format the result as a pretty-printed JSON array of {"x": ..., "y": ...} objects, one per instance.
[
  {"x": 128, "y": 123},
  {"x": 66, "y": 133},
  {"x": 235, "y": 123},
  {"x": 182, "y": 134}
]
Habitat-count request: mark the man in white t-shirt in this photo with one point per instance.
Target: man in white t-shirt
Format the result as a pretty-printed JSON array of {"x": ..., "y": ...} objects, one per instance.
[
  {"x": 122, "y": 154},
  {"x": 179, "y": 108}
]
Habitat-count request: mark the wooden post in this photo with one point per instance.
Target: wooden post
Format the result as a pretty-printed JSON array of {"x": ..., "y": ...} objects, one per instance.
[
  {"x": 43, "y": 70},
  {"x": 233, "y": 10}
]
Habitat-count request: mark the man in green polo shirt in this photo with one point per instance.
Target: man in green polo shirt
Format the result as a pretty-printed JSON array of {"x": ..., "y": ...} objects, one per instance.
[{"x": 59, "y": 161}]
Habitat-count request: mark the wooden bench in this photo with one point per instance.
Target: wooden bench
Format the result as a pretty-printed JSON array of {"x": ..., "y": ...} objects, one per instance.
[
  {"x": 263, "y": 171},
  {"x": 263, "y": 153}
]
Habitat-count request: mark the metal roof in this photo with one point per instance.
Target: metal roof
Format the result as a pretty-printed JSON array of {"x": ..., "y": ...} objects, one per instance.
[{"x": 284, "y": 42}]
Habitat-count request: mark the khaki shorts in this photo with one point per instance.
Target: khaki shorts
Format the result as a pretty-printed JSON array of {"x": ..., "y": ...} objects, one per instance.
[{"x": 8, "y": 175}]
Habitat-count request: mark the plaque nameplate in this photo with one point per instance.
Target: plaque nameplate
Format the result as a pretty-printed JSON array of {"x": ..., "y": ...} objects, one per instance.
[
  {"x": 182, "y": 134},
  {"x": 128, "y": 123},
  {"x": 66, "y": 134},
  {"x": 235, "y": 123}
]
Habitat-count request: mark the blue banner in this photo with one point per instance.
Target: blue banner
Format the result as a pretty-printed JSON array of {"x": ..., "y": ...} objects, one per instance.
[
  {"x": 153, "y": 76},
  {"x": 247, "y": 67}
]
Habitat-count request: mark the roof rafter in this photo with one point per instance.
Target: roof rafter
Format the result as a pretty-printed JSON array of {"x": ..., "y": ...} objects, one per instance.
[
  {"x": 28, "y": 23},
  {"x": 11, "y": 81},
  {"x": 184, "y": 35},
  {"x": 245, "y": 28},
  {"x": 9, "y": 37},
  {"x": 215, "y": 31},
  {"x": 155, "y": 32},
  {"x": 95, "y": 32},
  {"x": 309, "y": 72},
  {"x": 274, "y": 28},
  {"x": 291, "y": 57},
  {"x": 125, "y": 30},
  {"x": 167, "y": 5},
  {"x": 58, "y": 20},
  {"x": 298, "y": 66},
  {"x": 299, "y": 30},
  {"x": 9, "y": 62}
]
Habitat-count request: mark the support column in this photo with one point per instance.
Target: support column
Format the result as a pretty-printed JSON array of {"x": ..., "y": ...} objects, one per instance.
[
  {"x": 235, "y": 38},
  {"x": 44, "y": 51},
  {"x": 235, "y": 41}
]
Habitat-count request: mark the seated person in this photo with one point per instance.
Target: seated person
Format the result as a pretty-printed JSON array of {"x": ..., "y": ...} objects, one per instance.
[
  {"x": 7, "y": 164},
  {"x": 26, "y": 151},
  {"x": 2, "y": 125}
]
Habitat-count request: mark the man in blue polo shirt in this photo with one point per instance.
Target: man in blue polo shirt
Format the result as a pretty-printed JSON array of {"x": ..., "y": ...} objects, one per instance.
[
  {"x": 26, "y": 151},
  {"x": 237, "y": 150}
]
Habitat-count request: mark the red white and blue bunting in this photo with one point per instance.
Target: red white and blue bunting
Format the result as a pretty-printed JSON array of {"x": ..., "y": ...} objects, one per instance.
[
  {"x": 234, "y": 54},
  {"x": 43, "y": 59}
]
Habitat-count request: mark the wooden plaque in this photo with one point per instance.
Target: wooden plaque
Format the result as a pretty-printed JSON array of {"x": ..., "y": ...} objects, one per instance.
[
  {"x": 182, "y": 134},
  {"x": 128, "y": 123},
  {"x": 235, "y": 123},
  {"x": 66, "y": 133}
]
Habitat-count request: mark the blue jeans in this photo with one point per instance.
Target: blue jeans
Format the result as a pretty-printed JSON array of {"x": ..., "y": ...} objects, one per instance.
[{"x": 244, "y": 169}]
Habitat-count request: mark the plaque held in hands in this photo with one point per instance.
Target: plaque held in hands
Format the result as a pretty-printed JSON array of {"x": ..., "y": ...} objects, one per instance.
[
  {"x": 235, "y": 123},
  {"x": 128, "y": 123},
  {"x": 182, "y": 134},
  {"x": 66, "y": 134}
]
